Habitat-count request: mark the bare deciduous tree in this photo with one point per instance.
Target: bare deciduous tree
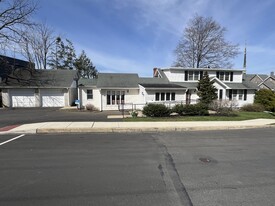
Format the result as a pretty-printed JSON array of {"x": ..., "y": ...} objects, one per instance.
[
  {"x": 14, "y": 14},
  {"x": 36, "y": 44},
  {"x": 203, "y": 45}
]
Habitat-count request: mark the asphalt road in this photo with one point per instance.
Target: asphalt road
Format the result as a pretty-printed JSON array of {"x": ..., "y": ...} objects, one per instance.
[
  {"x": 34, "y": 115},
  {"x": 189, "y": 168}
]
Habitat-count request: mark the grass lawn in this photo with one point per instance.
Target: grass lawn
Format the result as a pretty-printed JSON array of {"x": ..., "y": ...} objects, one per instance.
[{"x": 240, "y": 116}]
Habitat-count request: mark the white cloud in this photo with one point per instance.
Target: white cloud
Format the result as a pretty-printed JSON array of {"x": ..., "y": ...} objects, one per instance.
[
  {"x": 167, "y": 15},
  {"x": 112, "y": 63}
]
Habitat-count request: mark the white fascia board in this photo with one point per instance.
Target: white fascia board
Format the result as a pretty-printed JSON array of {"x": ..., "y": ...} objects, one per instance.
[{"x": 201, "y": 69}]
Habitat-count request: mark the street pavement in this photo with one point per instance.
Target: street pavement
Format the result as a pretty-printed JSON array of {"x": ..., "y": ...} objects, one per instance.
[{"x": 202, "y": 168}]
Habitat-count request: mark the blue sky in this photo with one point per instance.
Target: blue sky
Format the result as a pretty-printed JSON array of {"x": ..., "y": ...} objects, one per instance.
[{"x": 134, "y": 36}]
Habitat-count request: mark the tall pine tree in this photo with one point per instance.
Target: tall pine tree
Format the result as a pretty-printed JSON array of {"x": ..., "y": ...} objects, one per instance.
[
  {"x": 85, "y": 67},
  {"x": 63, "y": 56},
  {"x": 206, "y": 90}
]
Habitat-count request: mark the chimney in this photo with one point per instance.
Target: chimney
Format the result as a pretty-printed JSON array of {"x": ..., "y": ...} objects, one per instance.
[
  {"x": 272, "y": 74},
  {"x": 155, "y": 72}
]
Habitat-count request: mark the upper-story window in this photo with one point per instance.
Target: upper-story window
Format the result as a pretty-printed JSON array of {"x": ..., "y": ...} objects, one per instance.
[
  {"x": 225, "y": 76},
  {"x": 193, "y": 75}
]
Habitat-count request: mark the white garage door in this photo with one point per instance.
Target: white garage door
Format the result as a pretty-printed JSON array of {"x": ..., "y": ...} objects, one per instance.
[
  {"x": 52, "y": 98},
  {"x": 22, "y": 98}
]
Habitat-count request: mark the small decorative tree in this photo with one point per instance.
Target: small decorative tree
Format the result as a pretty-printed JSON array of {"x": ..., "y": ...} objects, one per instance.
[{"x": 206, "y": 90}]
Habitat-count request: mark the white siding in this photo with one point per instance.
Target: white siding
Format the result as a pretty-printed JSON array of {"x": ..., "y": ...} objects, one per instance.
[
  {"x": 96, "y": 101},
  {"x": 175, "y": 75}
]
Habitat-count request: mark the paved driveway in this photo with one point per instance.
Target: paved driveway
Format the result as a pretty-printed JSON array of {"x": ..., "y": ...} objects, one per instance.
[{"x": 33, "y": 115}]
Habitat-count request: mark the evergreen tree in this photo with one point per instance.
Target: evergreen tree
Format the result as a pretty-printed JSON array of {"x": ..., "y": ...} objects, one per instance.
[
  {"x": 69, "y": 55},
  {"x": 206, "y": 90},
  {"x": 85, "y": 67},
  {"x": 63, "y": 56},
  {"x": 266, "y": 98}
]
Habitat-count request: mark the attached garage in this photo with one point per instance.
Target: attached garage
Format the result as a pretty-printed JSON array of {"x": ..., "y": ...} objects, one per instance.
[
  {"x": 22, "y": 97},
  {"x": 52, "y": 98}
]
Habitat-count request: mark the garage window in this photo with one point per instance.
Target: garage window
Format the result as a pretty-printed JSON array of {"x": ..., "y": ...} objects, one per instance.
[{"x": 89, "y": 94}]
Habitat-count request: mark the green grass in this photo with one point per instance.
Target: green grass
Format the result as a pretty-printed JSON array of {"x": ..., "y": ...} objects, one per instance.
[{"x": 239, "y": 116}]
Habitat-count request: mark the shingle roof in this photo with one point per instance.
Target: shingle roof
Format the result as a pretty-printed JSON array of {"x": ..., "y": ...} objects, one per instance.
[
  {"x": 162, "y": 86},
  {"x": 270, "y": 85},
  {"x": 122, "y": 80},
  {"x": 87, "y": 82},
  {"x": 152, "y": 80},
  {"x": 39, "y": 79},
  {"x": 189, "y": 85}
]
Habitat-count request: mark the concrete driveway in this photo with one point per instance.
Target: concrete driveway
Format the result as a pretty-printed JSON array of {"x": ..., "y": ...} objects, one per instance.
[{"x": 33, "y": 115}]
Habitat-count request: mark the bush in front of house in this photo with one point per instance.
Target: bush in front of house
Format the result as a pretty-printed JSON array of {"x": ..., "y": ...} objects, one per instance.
[
  {"x": 253, "y": 108},
  {"x": 191, "y": 109},
  {"x": 223, "y": 107},
  {"x": 266, "y": 98},
  {"x": 156, "y": 110},
  {"x": 91, "y": 107},
  {"x": 196, "y": 110},
  {"x": 179, "y": 109}
]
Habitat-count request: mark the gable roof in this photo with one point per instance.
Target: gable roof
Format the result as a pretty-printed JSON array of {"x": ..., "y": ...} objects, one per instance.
[
  {"x": 25, "y": 78},
  {"x": 87, "y": 82},
  {"x": 115, "y": 80}
]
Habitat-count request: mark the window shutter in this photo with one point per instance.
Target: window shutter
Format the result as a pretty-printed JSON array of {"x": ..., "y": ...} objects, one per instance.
[
  {"x": 186, "y": 76},
  {"x": 231, "y": 76},
  {"x": 201, "y": 74},
  {"x": 218, "y": 75},
  {"x": 230, "y": 94},
  {"x": 245, "y": 94}
]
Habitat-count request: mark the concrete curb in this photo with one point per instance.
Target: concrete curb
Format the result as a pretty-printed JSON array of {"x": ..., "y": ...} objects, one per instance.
[
  {"x": 127, "y": 127},
  {"x": 142, "y": 130}
]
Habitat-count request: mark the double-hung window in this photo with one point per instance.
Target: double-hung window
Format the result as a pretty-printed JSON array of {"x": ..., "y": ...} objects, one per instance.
[{"x": 89, "y": 94}]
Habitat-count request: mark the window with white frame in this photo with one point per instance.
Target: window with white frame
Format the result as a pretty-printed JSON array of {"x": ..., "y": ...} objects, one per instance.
[
  {"x": 190, "y": 75},
  {"x": 224, "y": 76},
  {"x": 238, "y": 94},
  {"x": 89, "y": 94},
  {"x": 168, "y": 96},
  {"x": 193, "y": 75},
  {"x": 115, "y": 97},
  {"x": 234, "y": 94}
]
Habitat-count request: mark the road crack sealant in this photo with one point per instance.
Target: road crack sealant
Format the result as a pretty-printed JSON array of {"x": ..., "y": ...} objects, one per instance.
[{"x": 170, "y": 175}]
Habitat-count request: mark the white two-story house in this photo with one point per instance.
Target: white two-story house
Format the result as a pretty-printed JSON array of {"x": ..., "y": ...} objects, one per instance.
[{"x": 170, "y": 86}]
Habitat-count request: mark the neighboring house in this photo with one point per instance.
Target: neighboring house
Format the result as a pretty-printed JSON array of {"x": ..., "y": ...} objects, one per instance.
[
  {"x": 263, "y": 81},
  {"x": 39, "y": 88},
  {"x": 168, "y": 85}
]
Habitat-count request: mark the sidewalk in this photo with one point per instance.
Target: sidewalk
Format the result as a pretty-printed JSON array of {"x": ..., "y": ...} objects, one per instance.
[{"x": 87, "y": 127}]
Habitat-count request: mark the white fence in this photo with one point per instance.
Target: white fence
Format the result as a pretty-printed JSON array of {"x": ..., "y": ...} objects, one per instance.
[{"x": 169, "y": 104}]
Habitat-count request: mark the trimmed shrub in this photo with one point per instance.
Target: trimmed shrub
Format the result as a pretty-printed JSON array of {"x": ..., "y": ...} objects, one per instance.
[
  {"x": 156, "y": 110},
  {"x": 179, "y": 109},
  {"x": 196, "y": 110},
  {"x": 253, "y": 108},
  {"x": 191, "y": 109}
]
